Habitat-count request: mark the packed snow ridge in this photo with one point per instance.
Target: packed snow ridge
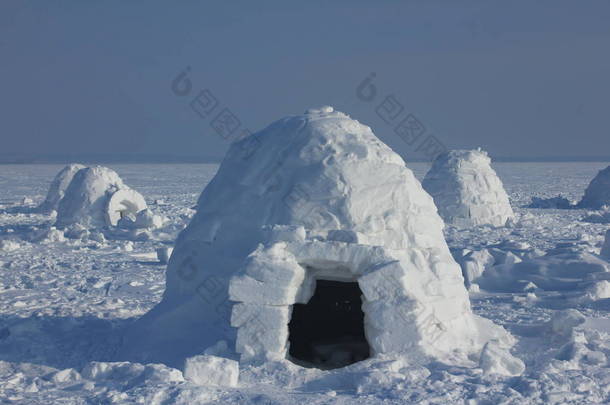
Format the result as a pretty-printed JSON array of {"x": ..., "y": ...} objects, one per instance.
[
  {"x": 318, "y": 200},
  {"x": 466, "y": 189}
]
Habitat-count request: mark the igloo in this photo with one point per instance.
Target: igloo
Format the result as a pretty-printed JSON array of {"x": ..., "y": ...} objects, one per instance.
[
  {"x": 597, "y": 193},
  {"x": 466, "y": 189},
  {"x": 58, "y": 187},
  {"x": 314, "y": 243},
  {"x": 97, "y": 198}
]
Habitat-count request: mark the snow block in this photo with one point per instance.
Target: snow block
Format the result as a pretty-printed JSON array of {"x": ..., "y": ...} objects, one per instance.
[
  {"x": 496, "y": 359},
  {"x": 260, "y": 329},
  {"x": 209, "y": 370},
  {"x": 474, "y": 265},
  {"x": 125, "y": 202}
]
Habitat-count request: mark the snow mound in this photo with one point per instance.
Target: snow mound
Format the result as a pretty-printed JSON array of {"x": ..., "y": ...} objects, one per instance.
[
  {"x": 556, "y": 271},
  {"x": 466, "y": 189},
  {"x": 58, "y": 187},
  {"x": 597, "y": 193},
  {"x": 311, "y": 197},
  {"x": 127, "y": 375},
  {"x": 97, "y": 198}
]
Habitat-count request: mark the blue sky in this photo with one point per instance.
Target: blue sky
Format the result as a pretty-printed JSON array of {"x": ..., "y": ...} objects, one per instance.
[{"x": 520, "y": 79}]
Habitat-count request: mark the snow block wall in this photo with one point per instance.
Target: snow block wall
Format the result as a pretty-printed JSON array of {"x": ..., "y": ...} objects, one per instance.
[
  {"x": 311, "y": 197},
  {"x": 466, "y": 189},
  {"x": 597, "y": 193},
  {"x": 96, "y": 198},
  {"x": 58, "y": 187}
]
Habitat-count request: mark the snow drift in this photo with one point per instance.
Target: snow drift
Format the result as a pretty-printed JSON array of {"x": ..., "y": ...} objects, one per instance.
[
  {"x": 597, "y": 194},
  {"x": 466, "y": 189},
  {"x": 97, "y": 198},
  {"x": 311, "y": 198},
  {"x": 556, "y": 271},
  {"x": 58, "y": 187}
]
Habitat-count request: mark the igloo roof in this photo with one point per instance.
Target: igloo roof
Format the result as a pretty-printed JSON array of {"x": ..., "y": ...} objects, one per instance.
[
  {"x": 466, "y": 189},
  {"x": 597, "y": 193},
  {"x": 324, "y": 171},
  {"x": 320, "y": 191}
]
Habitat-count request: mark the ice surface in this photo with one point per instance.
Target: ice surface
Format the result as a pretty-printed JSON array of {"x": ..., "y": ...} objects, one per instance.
[
  {"x": 66, "y": 302},
  {"x": 466, "y": 190}
]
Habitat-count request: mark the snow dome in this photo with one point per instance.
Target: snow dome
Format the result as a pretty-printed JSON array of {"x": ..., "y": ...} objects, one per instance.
[
  {"x": 313, "y": 242},
  {"x": 58, "y": 187},
  {"x": 466, "y": 189},
  {"x": 96, "y": 198},
  {"x": 597, "y": 193}
]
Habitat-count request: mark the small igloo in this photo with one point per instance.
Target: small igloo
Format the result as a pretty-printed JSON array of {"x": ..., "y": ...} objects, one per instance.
[
  {"x": 597, "y": 193},
  {"x": 58, "y": 187},
  {"x": 314, "y": 243},
  {"x": 466, "y": 189},
  {"x": 97, "y": 198}
]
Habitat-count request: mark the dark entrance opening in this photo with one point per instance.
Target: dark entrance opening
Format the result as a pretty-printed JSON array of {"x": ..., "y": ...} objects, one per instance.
[{"x": 328, "y": 331}]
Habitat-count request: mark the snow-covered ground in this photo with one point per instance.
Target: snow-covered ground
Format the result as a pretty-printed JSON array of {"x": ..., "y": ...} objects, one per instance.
[{"x": 65, "y": 303}]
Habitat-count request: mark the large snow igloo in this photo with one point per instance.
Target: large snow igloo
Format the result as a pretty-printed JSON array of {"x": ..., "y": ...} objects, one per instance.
[
  {"x": 466, "y": 189},
  {"x": 597, "y": 193},
  {"x": 313, "y": 242}
]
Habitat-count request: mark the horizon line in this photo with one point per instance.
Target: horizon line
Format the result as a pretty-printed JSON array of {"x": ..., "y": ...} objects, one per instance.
[{"x": 209, "y": 159}]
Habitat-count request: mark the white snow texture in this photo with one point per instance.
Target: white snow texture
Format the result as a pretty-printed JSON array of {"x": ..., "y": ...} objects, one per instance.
[
  {"x": 466, "y": 189},
  {"x": 315, "y": 196}
]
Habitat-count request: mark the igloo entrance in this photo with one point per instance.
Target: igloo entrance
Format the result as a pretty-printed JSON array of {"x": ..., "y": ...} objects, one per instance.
[{"x": 328, "y": 331}]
